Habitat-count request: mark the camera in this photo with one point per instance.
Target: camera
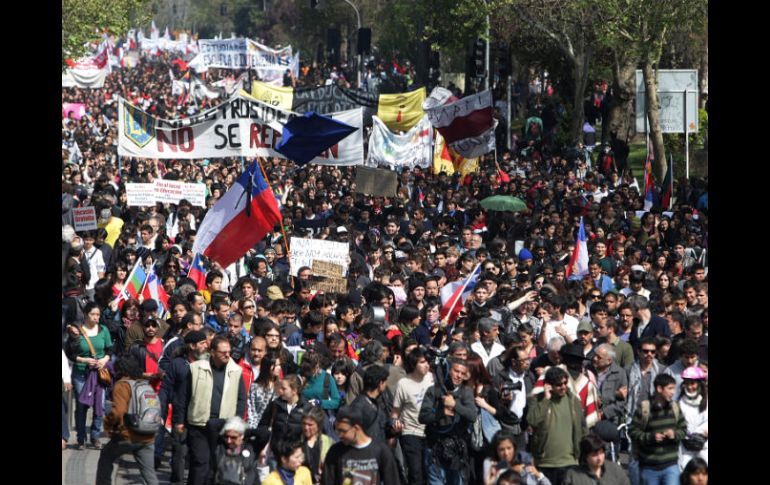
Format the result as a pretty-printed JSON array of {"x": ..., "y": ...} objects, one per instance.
[
  {"x": 435, "y": 357},
  {"x": 508, "y": 388}
]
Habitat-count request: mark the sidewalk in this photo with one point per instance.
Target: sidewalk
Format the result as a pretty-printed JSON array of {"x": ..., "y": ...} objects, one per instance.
[{"x": 79, "y": 467}]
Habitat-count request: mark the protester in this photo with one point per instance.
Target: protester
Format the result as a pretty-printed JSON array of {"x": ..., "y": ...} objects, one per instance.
[{"x": 404, "y": 249}]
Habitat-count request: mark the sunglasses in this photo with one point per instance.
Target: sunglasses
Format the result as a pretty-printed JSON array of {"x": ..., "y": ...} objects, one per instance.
[
  {"x": 647, "y": 351},
  {"x": 151, "y": 324}
]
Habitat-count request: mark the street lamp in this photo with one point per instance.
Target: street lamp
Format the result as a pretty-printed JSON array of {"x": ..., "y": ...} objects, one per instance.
[{"x": 358, "y": 56}]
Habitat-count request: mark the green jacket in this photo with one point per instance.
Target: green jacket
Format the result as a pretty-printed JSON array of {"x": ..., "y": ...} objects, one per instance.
[{"x": 539, "y": 417}]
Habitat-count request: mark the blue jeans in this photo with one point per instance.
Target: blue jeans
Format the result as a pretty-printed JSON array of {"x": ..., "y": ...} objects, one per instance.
[
  {"x": 437, "y": 475},
  {"x": 666, "y": 476},
  {"x": 633, "y": 472},
  {"x": 78, "y": 381},
  {"x": 65, "y": 429}
]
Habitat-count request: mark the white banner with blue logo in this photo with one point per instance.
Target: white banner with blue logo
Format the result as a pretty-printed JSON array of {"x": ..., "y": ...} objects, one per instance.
[{"x": 240, "y": 126}]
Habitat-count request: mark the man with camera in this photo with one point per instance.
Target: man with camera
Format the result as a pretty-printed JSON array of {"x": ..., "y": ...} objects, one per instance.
[
  {"x": 514, "y": 382},
  {"x": 447, "y": 411}
]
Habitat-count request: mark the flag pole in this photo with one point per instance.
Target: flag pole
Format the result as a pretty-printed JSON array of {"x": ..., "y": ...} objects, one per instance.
[
  {"x": 465, "y": 284},
  {"x": 144, "y": 285},
  {"x": 283, "y": 231}
]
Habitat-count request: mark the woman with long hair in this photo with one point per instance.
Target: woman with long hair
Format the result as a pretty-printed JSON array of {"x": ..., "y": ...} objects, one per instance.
[
  {"x": 319, "y": 385},
  {"x": 85, "y": 372},
  {"x": 503, "y": 459},
  {"x": 487, "y": 400},
  {"x": 315, "y": 444},
  {"x": 693, "y": 401},
  {"x": 264, "y": 389},
  {"x": 695, "y": 473},
  {"x": 119, "y": 276}
]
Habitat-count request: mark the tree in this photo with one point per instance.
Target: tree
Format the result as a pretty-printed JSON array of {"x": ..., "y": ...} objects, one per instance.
[
  {"x": 568, "y": 25},
  {"x": 84, "y": 21},
  {"x": 640, "y": 29}
]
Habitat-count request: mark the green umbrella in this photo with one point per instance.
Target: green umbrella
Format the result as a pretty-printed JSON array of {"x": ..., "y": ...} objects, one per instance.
[{"x": 504, "y": 203}]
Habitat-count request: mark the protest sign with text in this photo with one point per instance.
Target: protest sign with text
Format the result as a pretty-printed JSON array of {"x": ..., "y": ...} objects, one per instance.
[{"x": 305, "y": 251}]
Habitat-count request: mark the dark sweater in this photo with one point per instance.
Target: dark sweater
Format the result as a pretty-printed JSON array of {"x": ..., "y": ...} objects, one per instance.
[{"x": 653, "y": 454}]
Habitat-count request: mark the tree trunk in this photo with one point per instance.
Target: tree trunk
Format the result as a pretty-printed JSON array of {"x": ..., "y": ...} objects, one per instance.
[
  {"x": 653, "y": 123},
  {"x": 621, "y": 117},
  {"x": 580, "y": 74},
  {"x": 703, "y": 74}
]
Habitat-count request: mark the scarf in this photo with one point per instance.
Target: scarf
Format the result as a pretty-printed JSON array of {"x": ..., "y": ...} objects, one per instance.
[
  {"x": 287, "y": 476},
  {"x": 693, "y": 399}
]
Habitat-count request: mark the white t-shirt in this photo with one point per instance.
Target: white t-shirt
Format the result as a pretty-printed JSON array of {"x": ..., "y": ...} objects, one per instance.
[
  {"x": 408, "y": 398},
  {"x": 95, "y": 265},
  {"x": 569, "y": 323}
]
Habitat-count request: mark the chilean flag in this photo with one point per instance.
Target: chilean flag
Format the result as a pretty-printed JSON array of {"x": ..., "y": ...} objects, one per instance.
[
  {"x": 197, "y": 272},
  {"x": 239, "y": 220},
  {"x": 578, "y": 263},
  {"x": 649, "y": 183},
  {"x": 454, "y": 295},
  {"x": 154, "y": 291}
]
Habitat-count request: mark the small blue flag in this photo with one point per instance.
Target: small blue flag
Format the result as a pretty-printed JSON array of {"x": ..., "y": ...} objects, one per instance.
[{"x": 305, "y": 137}]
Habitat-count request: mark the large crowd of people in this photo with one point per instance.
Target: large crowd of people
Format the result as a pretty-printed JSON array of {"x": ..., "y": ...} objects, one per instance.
[{"x": 543, "y": 377}]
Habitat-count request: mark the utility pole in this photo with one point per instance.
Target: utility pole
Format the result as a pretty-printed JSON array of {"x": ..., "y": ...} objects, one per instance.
[
  {"x": 358, "y": 56},
  {"x": 487, "y": 84}
]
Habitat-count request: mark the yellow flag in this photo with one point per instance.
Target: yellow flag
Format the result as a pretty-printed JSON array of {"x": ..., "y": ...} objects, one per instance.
[
  {"x": 278, "y": 97},
  {"x": 462, "y": 164},
  {"x": 401, "y": 111},
  {"x": 442, "y": 160}
]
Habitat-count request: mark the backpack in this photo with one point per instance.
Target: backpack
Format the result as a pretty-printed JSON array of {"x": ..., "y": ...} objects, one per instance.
[{"x": 143, "y": 416}]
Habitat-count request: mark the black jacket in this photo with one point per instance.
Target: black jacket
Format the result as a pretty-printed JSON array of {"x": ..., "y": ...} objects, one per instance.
[{"x": 657, "y": 327}]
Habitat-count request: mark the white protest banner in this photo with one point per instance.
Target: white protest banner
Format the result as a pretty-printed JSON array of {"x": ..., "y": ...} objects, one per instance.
[
  {"x": 140, "y": 195},
  {"x": 305, "y": 251},
  {"x": 240, "y": 126},
  {"x": 413, "y": 149},
  {"x": 195, "y": 194},
  {"x": 89, "y": 72},
  {"x": 247, "y": 54},
  {"x": 228, "y": 53},
  {"x": 85, "y": 218},
  {"x": 168, "y": 191}
]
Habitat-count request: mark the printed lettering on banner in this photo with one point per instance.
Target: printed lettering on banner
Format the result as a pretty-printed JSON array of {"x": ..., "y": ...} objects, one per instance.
[
  {"x": 140, "y": 195},
  {"x": 240, "y": 126},
  {"x": 305, "y": 251},
  {"x": 168, "y": 191},
  {"x": 85, "y": 218},
  {"x": 195, "y": 194}
]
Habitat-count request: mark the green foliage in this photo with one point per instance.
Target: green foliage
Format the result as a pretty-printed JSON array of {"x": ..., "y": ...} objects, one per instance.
[{"x": 83, "y": 22}]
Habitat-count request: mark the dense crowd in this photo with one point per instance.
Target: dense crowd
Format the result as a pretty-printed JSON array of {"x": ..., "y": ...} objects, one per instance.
[{"x": 543, "y": 377}]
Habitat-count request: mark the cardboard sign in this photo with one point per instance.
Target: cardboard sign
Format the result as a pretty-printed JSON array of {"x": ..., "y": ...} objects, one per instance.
[
  {"x": 305, "y": 251},
  {"x": 330, "y": 285},
  {"x": 327, "y": 269},
  {"x": 85, "y": 218},
  {"x": 376, "y": 182}
]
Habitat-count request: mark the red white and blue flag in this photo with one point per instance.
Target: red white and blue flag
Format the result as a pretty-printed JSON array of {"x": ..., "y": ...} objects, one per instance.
[
  {"x": 649, "y": 183},
  {"x": 239, "y": 220},
  {"x": 454, "y": 295},
  {"x": 197, "y": 272},
  {"x": 578, "y": 263},
  {"x": 154, "y": 291}
]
